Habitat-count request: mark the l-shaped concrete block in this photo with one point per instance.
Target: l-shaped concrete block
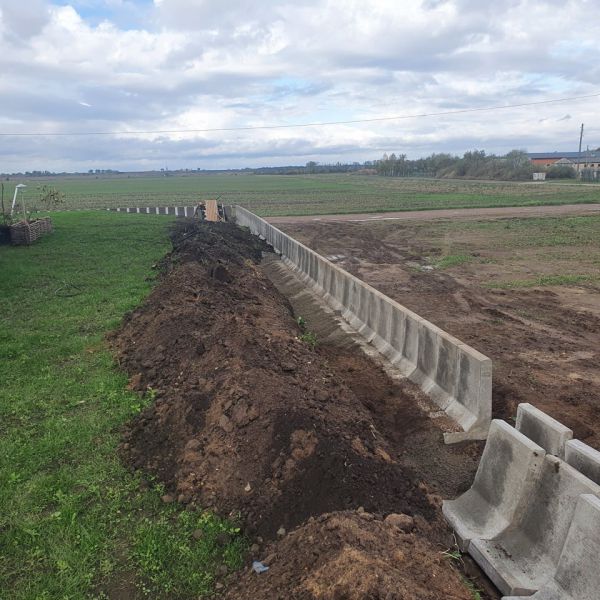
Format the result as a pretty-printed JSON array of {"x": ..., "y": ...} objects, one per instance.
[
  {"x": 503, "y": 484},
  {"x": 524, "y": 557},
  {"x": 577, "y": 576},
  {"x": 584, "y": 458},
  {"x": 543, "y": 429}
]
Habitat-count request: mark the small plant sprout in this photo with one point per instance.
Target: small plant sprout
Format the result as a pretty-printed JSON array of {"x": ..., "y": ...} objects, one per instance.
[
  {"x": 452, "y": 555},
  {"x": 301, "y": 323},
  {"x": 310, "y": 338}
]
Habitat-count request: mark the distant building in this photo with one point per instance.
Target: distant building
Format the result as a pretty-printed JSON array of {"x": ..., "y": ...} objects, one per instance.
[{"x": 589, "y": 159}]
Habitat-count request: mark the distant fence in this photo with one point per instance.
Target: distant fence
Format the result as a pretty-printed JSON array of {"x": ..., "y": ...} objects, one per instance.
[{"x": 178, "y": 211}]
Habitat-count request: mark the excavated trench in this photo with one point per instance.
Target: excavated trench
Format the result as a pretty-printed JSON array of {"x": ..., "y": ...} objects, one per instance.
[{"x": 312, "y": 445}]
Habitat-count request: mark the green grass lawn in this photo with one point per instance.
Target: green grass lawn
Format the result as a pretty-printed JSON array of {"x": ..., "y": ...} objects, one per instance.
[
  {"x": 272, "y": 195},
  {"x": 74, "y": 522}
]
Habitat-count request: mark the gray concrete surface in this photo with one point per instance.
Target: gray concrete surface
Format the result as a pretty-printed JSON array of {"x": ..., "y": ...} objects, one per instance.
[
  {"x": 543, "y": 429},
  {"x": 525, "y": 557},
  {"x": 454, "y": 375},
  {"x": 508, "y": 470},
  {"x": 584, "y": 458},
  {"x": 577, "y": 576}
]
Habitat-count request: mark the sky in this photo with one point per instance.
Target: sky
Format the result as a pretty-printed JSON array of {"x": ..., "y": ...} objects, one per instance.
[{"x": 119, "y": 66}]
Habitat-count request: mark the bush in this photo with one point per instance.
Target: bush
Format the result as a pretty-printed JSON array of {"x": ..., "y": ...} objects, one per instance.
[{"x": 561, "y": 172}]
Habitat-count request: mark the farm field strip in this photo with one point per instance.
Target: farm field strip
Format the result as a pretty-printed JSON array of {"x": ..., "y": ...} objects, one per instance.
[{"x": 273, "y": 195}]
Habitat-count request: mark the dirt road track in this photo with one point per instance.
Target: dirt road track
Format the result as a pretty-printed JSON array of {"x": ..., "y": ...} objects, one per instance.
[{"x": 454, "y": 213}]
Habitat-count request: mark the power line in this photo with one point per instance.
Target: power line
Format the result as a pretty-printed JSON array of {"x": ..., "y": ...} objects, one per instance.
[{"x": 298, "y": 125}]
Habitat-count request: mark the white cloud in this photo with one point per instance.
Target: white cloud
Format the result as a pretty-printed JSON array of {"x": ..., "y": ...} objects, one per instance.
[{"x": 204, "y": 64}]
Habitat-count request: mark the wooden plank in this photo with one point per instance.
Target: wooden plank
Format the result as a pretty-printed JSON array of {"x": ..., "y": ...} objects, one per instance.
[{"x": 212, "y": 210}]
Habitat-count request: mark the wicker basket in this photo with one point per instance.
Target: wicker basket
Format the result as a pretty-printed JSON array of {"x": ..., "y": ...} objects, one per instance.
[{"x": 25, "y": 233}]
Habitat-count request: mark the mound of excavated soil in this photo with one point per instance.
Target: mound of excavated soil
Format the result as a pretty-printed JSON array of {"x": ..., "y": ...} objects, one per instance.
[
  {"x": 247, "y": 417},
  {"x": 250, "y": 420},
  {"x": 351, "y": 556}
]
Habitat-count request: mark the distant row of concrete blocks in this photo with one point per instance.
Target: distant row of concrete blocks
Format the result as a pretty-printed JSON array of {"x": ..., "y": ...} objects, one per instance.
[
  {"x": 531, "y": 519},
  {"x": 178, "y": 211}
]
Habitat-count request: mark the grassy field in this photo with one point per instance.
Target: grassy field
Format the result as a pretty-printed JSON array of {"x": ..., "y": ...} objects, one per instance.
[
  {"x": 271, "y": 195},
  {"x": 74, "y": 522}
]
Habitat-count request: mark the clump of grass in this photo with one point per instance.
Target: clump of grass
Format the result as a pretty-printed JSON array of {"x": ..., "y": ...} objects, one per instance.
[
  {"x": 452, "y": 260},
  {"x": 543, "y": 280},
  {"x": 456, "y": 556},
  {"x": 309, "y": 338}
]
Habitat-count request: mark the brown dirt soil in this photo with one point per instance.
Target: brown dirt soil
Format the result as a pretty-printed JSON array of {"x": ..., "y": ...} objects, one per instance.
[
  {"x": 449, "y": 213},
  {"x": 543, "y": 341},
  {"x": 251, "y": 421},
  {"x": 352, "y": 556}
]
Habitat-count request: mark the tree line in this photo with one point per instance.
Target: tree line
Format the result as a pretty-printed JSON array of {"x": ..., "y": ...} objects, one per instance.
[{"x": 474, "y": 164}]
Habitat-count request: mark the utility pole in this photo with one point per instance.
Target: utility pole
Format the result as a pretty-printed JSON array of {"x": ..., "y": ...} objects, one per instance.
[{"x": 579, "y": 160}]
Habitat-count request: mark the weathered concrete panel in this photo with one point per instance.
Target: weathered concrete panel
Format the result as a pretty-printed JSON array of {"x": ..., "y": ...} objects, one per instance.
[
  {"x": 584, "y": 458},
  {"x": 524, "y": 557},
  {"x": 543, "y": 429},
  {"x": 507, "y": 472},
  {"x": 457, "y": 377},
  {"x": 577, "y": 576}
]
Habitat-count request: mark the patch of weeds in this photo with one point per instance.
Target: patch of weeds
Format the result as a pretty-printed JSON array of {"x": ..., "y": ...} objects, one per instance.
[
  {"x": 310, "y": 338},
  {"x": 456, "y": 556},
  {"x": 453, "y": 555},
  {"x": 301, "y": 323},
  {"x": 452, "y": 260},
  {"x": 473, "y": 589},
  {"x": 543, "y": 280},
  {"x": 190, "y": 547}
]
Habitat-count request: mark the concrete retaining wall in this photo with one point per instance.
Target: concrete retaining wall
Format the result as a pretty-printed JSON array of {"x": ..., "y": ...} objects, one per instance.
[
  {"x": 178, "y": 211},
  {"x": 507, "y": 472},
  {"x": 457, "y": 377},
  {"x": 584, "y": 458},
  {"x": 578, "y": 557},
  {"x": 526, "y": 555},
  {"x": 543, "y": 429},
  {"x": 521, "y": 508}
]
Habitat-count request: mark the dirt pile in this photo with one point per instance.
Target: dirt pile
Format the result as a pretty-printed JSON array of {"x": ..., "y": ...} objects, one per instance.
[
  {"x": 353, "y": 556},
  {"x": 248, "y": 418}
]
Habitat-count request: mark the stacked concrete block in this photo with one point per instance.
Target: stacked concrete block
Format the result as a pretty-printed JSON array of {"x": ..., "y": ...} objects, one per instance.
[
  {"x": 457, "y": 377},
  {"x": 577, "y": 576},
  {"x": 525, "y": 556},
  {"x": 503, "y": 485},
  {"x": 543, "y": 429},
  {"x": 583, "y": 458},
  {"x": 532, "y": 520}
]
